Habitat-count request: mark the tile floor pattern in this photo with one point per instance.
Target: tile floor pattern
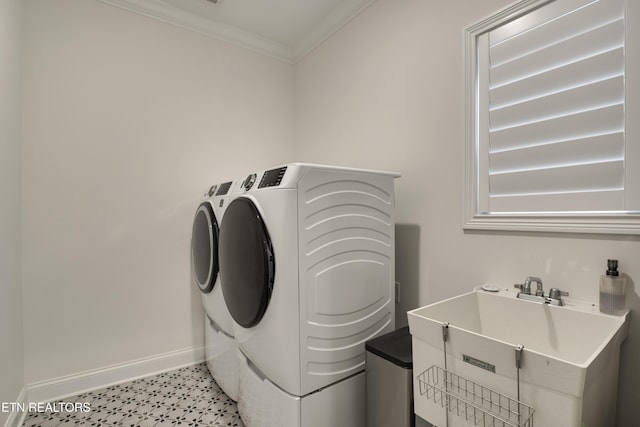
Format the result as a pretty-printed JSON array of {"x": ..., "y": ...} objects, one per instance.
[{"x": 183, "y": 397}]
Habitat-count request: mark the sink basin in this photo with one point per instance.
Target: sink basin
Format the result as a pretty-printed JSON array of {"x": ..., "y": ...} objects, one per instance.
[{"x": 569, "y": 365}]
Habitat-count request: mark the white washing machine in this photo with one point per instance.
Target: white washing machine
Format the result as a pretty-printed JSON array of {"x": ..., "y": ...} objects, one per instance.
[
  {"x": 220, "y": 345},
  {"x": 307, "y": 270}
]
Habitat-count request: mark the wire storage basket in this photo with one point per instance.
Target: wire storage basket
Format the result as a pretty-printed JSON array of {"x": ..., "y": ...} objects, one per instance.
[{"x": 475, "y": 403}]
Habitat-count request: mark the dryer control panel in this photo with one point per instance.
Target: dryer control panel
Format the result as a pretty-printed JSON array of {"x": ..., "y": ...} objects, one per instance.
[{"x": 272, "y": 178}]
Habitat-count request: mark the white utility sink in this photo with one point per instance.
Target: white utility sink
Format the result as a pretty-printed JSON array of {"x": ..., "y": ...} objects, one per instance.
[{"x": 569, "y": 365}]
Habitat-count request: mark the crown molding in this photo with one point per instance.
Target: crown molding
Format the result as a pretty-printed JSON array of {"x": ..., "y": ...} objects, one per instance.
[
  {"x": 165, "y": 12},
  {"x": 338, "y": 18}
]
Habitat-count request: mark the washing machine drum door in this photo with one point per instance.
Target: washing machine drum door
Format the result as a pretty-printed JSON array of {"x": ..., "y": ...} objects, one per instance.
[
  {"x": 247, "y": 265},
  {"x": 204, "y": 247}
]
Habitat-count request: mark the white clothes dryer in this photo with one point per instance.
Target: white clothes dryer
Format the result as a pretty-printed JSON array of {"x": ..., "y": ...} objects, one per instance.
[
  {"x": 307, "y": 270},
  {"x": 220, "y": 345}
]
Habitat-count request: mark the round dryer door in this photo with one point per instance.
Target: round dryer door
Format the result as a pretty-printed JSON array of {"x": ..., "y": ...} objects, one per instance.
[
  {"x": 247, "y": 266},
  {"x": 204, "y": 247}
]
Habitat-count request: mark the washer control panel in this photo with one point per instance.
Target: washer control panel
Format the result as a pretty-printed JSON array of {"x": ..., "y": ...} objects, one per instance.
[{"x": 223, "y": 188}]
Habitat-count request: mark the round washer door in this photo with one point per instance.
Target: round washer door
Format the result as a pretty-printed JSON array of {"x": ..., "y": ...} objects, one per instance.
[
  {"x": 204, "y": 247},
  {"x": 247, "y": 265}
]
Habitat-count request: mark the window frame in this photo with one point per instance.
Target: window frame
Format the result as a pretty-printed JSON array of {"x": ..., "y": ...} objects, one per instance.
[{"x": 616, "y": 222}]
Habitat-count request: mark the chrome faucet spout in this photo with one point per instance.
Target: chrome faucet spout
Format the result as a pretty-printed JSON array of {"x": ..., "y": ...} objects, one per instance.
[
  {"x": 538, "y": 282},
  {"x": 525, "y": 288}
]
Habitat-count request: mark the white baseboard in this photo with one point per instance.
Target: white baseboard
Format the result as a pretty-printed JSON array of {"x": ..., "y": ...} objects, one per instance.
[
  {"x": 59, "y": 388},
  {"x": 16, "y": 418}
]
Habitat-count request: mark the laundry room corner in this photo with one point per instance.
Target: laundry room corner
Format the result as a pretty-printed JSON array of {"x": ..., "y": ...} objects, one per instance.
[{"x": 127, "y": 121}]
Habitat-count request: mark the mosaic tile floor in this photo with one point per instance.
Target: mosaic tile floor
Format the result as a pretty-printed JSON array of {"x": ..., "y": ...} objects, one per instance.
[{"x": 184, "y": 397}]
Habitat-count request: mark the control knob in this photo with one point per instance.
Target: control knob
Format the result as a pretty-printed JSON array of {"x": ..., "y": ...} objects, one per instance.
[{"x": 249, "y": 181}]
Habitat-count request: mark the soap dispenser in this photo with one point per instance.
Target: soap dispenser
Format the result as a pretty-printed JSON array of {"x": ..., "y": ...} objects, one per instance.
[{"x": 612, "y": 290}]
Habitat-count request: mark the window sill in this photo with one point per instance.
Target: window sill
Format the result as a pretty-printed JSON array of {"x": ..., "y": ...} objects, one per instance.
[{"x": 606, "y": 224}]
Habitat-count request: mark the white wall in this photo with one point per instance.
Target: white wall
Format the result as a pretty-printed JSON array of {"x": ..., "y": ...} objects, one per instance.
[
  {"x": 387, "y": 92},
  {"x": 11, "y": 353},
  {"x": 127, "y": 120}
]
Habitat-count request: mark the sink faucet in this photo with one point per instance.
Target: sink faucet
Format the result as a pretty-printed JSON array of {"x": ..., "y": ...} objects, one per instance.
[{"x": 554, "y": 298}]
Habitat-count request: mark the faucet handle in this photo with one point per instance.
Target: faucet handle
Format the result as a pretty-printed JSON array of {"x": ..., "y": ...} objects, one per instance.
[
  {"x": 523, "y": 288},
  {"x": 555, "y": 293}
]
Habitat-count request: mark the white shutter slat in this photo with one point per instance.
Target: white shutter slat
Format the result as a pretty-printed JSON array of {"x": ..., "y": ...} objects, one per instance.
[
  {"x": 595, "y": 122},
  {"x": 590, "y": 177},
  {"x": 599, "y": 94},
  {"x": 580, "y": 151},
  {"x": 582, "y": 46},
  {"x": 535, "y": 18},
  {"x": 546, "y": 33},
  {"x": 596, "y": 68},
  {"x": 559, "y": 203}
]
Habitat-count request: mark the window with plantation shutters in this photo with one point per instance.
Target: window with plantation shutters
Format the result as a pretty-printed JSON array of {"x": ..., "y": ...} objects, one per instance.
[{"x": 551, "y": 143}]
